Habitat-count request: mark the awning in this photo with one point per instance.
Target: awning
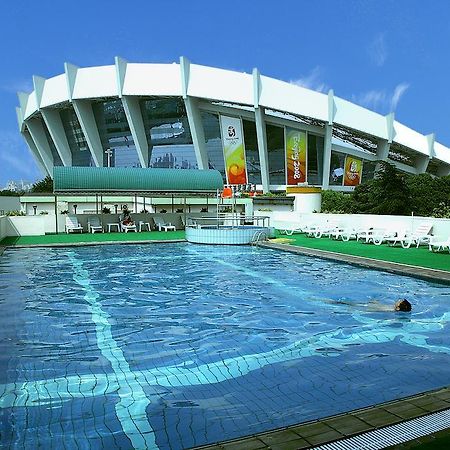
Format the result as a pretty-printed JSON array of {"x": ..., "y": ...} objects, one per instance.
[{"x": 121, "y": 180}]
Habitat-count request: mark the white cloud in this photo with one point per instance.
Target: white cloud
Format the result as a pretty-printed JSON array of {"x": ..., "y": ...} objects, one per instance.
[
  {"x": 14, "y": 86},
  {"x": 312, "y": 81},
  {"x": 378, "y": 50},
  {"x": 381, "y": 100}
]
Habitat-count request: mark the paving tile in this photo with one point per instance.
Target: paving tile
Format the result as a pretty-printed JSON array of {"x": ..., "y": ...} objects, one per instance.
[
  {"x": 443, "y": 395},
  {"x": 245, "y": 444},
  {"x": 422, "y": 400},
  {"x": 278, "y": 437},
  {"x": 298, "y": 444},
  {"x": 377, "y": 417},
  {"x": 348, "y": 425},
  {"x": 311, "y": 429},
  {"x": 436, "y": 405},
  {"x": 406, "y": 410},
  {"x": 324, "y": 437}
]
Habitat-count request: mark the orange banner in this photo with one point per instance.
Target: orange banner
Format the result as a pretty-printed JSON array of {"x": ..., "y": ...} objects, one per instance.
[{"x": 353, "y": 171}]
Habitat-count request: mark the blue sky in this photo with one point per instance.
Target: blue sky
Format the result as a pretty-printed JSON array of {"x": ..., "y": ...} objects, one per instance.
[{"x": 385, "y": 55}]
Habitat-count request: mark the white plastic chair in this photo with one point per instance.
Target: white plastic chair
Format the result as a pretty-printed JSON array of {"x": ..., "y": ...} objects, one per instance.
[
  {"x": 126, "y": 228},
  {"x": 437, "y": 244},
  {"x": 94, "y": 225},
  {"x": 421, "y": 235},
  {"x": 72, "y": 224}
]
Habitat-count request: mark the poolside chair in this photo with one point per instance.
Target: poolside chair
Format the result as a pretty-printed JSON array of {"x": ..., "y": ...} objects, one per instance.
[
  {"x": 126, "y": 228},
  {"x": 325, "y": 229},
  {"x": 94, "y": 225},
  {"x": 345, "y": 233},
  {"x": 386, "y": 235},
  {"x": 72, "y": 224},
  {"x": 163, "y": 225},
  {"x": 421, "y": 235},
  {"x": 300, "y": 229},
  {"x": 437, "y": 244}
]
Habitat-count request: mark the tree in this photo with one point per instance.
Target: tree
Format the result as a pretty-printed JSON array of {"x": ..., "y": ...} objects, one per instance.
[
  {"x": 45, "y": 185},
  {"x": 387, "y": 193}
]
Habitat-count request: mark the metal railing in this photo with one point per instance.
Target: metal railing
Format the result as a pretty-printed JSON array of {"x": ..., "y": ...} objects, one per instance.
[{"x": 228, "y": 221}]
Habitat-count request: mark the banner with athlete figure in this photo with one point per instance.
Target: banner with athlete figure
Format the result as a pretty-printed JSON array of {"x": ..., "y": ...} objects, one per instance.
[{"x": 295, "y": 156}]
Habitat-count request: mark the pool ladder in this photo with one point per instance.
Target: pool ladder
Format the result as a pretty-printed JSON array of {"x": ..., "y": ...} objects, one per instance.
[{"x": 260, "y": 235}]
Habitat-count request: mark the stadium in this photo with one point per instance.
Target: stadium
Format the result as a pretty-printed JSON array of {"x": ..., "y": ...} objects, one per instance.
[{"x": 253, "y": 129}]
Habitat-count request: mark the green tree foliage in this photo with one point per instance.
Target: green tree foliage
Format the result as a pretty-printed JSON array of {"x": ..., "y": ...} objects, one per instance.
[
  {"x": 8, "y": 193},
  {"x": 337, "y": 202},
  {"x": 392, "y": 192},
  {"x": 45, "y": 185}
]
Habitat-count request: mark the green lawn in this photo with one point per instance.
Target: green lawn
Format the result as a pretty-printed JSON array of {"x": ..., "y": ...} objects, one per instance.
[
  {"x": 90, "y": 238},
  {"x": 421, "y": 257}
]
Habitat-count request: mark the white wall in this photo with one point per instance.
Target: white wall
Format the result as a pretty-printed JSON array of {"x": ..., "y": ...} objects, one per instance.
[
  {"x": 3, "y": 220},
  {"x": 25, "y": 226}
]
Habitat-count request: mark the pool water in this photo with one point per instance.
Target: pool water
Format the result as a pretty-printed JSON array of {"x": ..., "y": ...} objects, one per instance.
[{"x": 172, "y": 346}]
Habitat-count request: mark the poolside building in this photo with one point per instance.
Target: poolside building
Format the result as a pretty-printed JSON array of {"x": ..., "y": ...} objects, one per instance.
[{"x": 252, "y": 128}]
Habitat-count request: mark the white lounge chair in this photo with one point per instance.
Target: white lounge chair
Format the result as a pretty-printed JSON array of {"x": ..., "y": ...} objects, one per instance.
[
  {"x": 421, "y": 235},
  {"x": 326, "y": 229},
  {"x": 94, "y": 225},
  {"x": 163, "y": 225},
  {"x": 72, "y": 224},
  {"x": 387, "y": 235},
  {"x": 436, "y": 244},
  {"x": 345, "y": 233},
  {"x": 126, "y": 228},
  {"x": 303, "y": 228}
]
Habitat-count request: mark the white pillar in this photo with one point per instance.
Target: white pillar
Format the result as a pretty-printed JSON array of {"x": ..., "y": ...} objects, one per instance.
[
  {"x": 194, "y": 117},
  {"x": 35, "y": 152},
  {"x": 261, "y": 133},
  {"x": 327, "y": 156},
  {"x": 56, "y": 129},
  {"x": 137, "y": 129},
  {"x": 85, "y": 115},
  {"x": 37, "y": 132}
]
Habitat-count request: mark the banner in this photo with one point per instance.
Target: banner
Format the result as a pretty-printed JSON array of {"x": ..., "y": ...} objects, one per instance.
[
  {"x": 233, "y": 150},
  {"x": 353, "y": 171},
  {"x": 295, "y": 156}
]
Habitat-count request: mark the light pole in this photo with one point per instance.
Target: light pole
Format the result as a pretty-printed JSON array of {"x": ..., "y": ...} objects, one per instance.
[{"x": 109, "y": 153}]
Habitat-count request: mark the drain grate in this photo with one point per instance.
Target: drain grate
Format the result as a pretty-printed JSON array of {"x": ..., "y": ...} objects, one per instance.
[{"x": 393, "y": 434}]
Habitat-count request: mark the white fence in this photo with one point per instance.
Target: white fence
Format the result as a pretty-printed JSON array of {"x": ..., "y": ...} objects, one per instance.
[{"x": 292, "y": 220}]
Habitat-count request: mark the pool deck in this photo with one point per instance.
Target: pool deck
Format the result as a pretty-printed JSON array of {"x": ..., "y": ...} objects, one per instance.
[
  {"x": 419, "y": 263},
  {"x": 352, "y": 423}
]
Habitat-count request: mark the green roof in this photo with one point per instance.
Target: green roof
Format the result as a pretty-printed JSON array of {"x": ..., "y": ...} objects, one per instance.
[{"x": 134, "y": 180}]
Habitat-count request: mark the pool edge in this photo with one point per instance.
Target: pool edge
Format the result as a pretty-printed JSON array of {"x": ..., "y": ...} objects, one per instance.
[
  {"x": 424, "y": 273},
  {"x": 333, "y": 428}
]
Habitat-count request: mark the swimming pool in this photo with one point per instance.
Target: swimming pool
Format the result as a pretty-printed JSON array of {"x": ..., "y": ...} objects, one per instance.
[{"x": 176, "y": 345}]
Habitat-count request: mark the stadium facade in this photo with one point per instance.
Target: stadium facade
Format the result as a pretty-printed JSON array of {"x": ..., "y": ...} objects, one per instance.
[{"x": 252, "y": 128}]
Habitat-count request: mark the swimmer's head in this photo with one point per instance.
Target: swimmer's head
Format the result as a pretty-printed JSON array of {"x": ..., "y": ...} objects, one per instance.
[{"x": 402, "y": 305}]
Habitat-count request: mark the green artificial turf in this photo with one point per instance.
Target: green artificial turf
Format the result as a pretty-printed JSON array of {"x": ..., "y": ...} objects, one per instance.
[
  {"x": 79, "y": 238},
  {"x": 420, "y": 257}
]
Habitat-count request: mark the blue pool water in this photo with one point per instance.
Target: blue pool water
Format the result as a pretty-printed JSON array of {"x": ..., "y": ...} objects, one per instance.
[{"x": 176, "y": 345}]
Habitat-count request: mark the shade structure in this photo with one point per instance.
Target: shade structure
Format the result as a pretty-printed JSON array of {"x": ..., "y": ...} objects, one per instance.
[{"x": 134, "y": 180}]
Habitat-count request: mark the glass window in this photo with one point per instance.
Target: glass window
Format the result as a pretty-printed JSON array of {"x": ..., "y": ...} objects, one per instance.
[
  {"x": 276, "y": 153},
  {"x": 81, "y": 156},
  {"x": 214, "y": 148},
  {"x": 368, "y": 171},
  {"x": 168, "y": 133},
  {"x": 118, "y": 145},
  {"x": 337, "y": 168},
  {"x": 251, "y": 152},
  {"x": 315, "y": 159}
]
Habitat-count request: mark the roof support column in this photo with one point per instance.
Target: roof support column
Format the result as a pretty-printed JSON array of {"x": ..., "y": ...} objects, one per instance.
[
  {"x": 32, "y": 146},
  {"x": 326, "y": 166},
  {"x": 85, "y": 115},
  {"x": 56, "y": 129},
  {"x": 194, "y": 117},
  {"x": 37, "y": 132},
  {"x": 198, "y": 135},
  {"x": 261, "y": 132},
  {"x": 136, "y": 123},
  {"x": 261, "y": 136}
]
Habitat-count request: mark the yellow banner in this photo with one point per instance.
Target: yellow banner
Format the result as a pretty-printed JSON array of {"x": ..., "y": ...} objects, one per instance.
[
  {"x": 233, "y": 150},
  {"x": 295, "y": 156},
  {"x": 353, "y": 171}
]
